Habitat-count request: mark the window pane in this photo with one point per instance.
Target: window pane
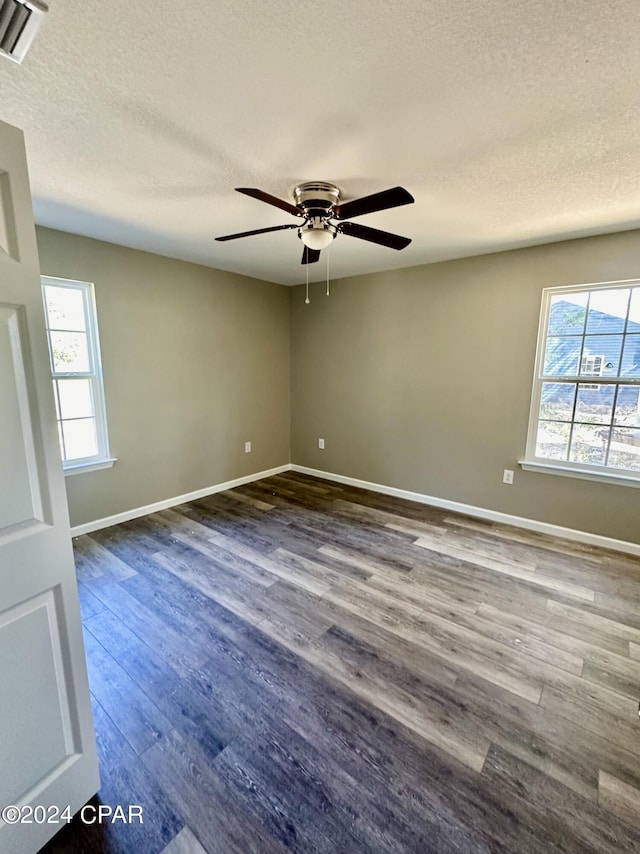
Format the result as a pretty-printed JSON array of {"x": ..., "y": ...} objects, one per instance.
[
  {"x": 589, "y": 444},
  {"x": 561, "y": 356},
  {"x": 625, "y": 449},
  {"x": 567, "y": 314},
  {"x": 75, "y": 363},
  {"x": 80, "y": 438},
  {"x": 594, "y": 404},
  {"x": 631, "y": 357},
  {"x": 75, "y": 398},
  {"x": 593, "y": 422},
  {"x": 607, "y": 348},
  {"x": 556, "y": 402},
  {"x": 70, "y": 352},
  {"x": 607, "y": 310},
  {"x": 65, "y": 308},
  {"x": 628, "y": 406},
  {"x": 552, "y": 442}
]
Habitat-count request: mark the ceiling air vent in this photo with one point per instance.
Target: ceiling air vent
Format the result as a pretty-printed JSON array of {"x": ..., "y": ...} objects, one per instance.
[{"x": 19, "y": 22}]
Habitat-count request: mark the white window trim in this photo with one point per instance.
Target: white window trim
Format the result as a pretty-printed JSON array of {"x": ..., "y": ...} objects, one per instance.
[
  {"x": 73, "y": 467},
  {"x": 566, "y": 468},
  {"x": 103, "y": 458}
]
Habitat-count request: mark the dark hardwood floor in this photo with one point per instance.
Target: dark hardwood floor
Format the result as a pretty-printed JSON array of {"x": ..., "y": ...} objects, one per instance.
[{"x": 300, "y": 666}]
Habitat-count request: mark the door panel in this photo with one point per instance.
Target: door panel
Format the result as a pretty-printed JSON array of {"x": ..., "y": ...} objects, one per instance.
[
  {"x": 22, "y": 503},
  {"x": 38, "y": 732},
  {"x": 47, "y": 747},
  {"x": 8, "y": 244}
]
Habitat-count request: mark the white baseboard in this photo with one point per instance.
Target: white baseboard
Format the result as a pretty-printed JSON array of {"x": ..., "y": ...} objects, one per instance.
[
  {"x": 482, "y": 513},
  {"x": 136, "y": 512}
]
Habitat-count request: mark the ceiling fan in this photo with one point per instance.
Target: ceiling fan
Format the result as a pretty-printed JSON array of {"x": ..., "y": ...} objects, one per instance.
[{"x": 318, "y": 204}]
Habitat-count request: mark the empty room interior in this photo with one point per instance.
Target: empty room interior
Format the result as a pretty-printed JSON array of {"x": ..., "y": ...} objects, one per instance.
[{"x": 320, "y": 397}]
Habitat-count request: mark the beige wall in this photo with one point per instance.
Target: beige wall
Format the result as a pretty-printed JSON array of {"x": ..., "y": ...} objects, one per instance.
[
  {"x": 418, "y": 378},
  {"x": 421, "y": 379},
  {"x": 196, "y": 362}
]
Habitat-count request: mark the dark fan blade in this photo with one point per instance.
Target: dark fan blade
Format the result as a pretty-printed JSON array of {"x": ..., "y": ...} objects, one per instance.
[
  {"x": 257, "y": 231},
  {"x": 270, "y": 200},
  {"x": 310, "y": 256},
  {"x": 377, "y": 202},
  {"x": 374, "y": 235}
]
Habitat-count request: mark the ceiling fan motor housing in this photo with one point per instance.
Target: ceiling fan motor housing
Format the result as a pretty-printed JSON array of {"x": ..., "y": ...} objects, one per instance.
[{"x": 316, "y": 198}]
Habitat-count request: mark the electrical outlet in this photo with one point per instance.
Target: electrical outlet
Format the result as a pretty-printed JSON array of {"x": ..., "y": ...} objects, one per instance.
[
  {"x": 321, "y": 444},
  {"x": 247, "y": 447},
  {"x": 507, "y": 477}
]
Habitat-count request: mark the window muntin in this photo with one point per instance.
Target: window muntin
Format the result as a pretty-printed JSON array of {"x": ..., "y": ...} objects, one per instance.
[
  {"x": 587, "y": 332},
  {"x": 74, "y": 350}
]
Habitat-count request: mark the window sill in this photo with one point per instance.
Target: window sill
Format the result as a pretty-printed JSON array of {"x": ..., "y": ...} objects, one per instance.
[
  {"x": 81, "y": 468},
  {"x": 567, "y": 471}
]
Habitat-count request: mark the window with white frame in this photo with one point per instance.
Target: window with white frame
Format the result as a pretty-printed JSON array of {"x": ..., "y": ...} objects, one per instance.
[
  {"x": 72, "y": 331},
  {"x": 590, "y": 429}
]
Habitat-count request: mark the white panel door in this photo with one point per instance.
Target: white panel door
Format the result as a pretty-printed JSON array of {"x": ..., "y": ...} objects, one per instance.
[{"x": 47, "y": 746}]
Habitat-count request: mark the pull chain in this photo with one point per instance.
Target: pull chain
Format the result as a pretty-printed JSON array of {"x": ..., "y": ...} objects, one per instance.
[
  {"x": 307, "y": 297},
  {"x": 328, "y": 253}
]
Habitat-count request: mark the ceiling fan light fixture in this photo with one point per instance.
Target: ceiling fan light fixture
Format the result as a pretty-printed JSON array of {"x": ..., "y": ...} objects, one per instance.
[{"x": 316, "y": 238}]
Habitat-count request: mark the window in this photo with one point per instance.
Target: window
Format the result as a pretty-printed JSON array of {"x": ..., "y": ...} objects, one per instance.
[
  {"x": 584, "y": 428},
  {"x": 591, "y": 366},
  {"x": 72, "y": 331}
]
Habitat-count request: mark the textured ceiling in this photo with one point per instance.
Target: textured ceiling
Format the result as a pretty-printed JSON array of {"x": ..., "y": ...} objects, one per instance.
[{"x": 512, "y": 122}]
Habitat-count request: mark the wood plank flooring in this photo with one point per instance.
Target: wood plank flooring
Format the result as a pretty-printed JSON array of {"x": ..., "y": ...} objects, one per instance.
[{"x": 301, "y": 666}]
